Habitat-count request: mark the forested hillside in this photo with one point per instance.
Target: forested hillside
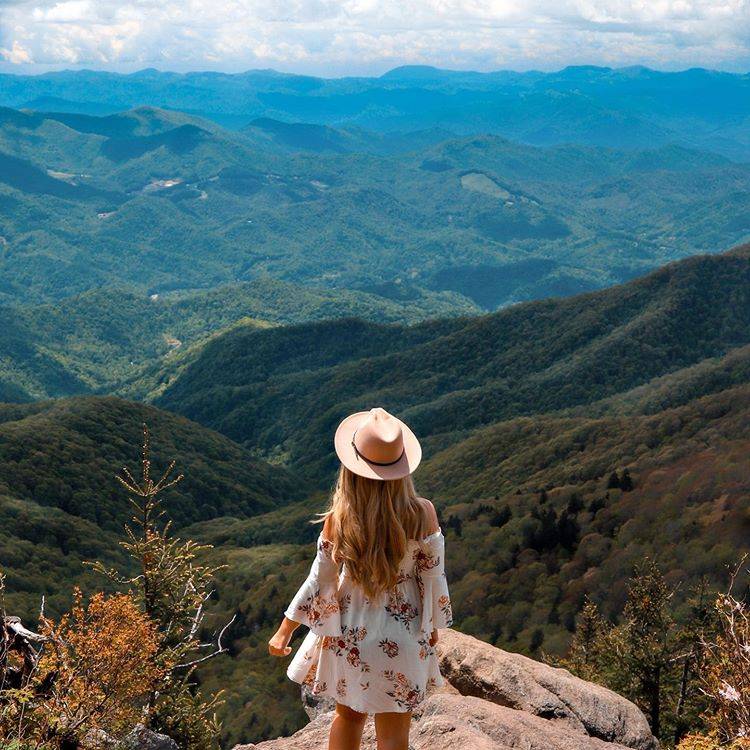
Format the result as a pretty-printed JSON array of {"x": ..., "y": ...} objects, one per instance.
[
  {"x": 564, "y": 440},
  {"x": 131, "y": 199},
  {"x": 449, "y": 378},
  {"x": 87, "y": 440},
  {"x": 132, "y": 343},
  {"x": 538, "y": 513},
  {"x": 60, "y": 505}
]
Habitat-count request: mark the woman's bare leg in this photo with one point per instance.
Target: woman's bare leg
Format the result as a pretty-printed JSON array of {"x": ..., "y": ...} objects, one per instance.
[
  {"x": 346, "y": 730},
  {"x": 392, "y": 730}
]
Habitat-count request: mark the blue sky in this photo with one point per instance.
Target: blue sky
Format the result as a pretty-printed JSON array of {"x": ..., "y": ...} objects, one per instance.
[{"x": 351, "y": 37}]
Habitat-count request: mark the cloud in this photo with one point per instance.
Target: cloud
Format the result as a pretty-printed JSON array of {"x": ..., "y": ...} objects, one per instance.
[{"x": 337, "y": 36}]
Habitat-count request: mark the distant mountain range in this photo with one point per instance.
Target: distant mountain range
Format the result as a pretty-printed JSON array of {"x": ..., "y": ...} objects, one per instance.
[{"x": 629, "y": 107}]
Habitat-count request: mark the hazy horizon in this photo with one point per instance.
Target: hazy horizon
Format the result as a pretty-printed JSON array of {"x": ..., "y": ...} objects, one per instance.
[
  {"x": 334, "y": 38},
  {"x": 13, "y": 70}
]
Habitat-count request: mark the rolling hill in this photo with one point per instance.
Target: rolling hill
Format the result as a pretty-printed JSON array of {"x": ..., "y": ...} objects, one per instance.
[
  {"x": 564, "y": 440},
  {"x": 130, "y": 200},
  {"x": 86, "y": 440},
  {"x": 60, "y": 505},
  {"x": 283, "y": 391},
  {"x": 294, "y": 137},
  {"x": 533, "y": 518},
  {"x": 119, "y": 340},
  {"x": 538, "y": 514}
]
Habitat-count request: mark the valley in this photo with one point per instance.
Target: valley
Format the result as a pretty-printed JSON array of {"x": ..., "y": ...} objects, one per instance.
[
  {"x": 447, "y": 377},
  {"x": 151, "y": 189},
  {"x": 101, "y": 219},
  {"x": 122, "y": 340}
]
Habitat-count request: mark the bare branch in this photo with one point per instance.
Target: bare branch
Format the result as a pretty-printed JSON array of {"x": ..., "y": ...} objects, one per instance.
[{"x": 220, "y": 649}]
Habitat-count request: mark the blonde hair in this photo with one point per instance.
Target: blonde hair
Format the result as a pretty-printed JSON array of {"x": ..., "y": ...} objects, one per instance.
[{"x": 369, "y": 523}]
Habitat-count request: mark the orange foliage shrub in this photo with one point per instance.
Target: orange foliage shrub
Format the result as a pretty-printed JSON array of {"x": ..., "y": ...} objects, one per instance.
[
  {"x": 726, "y": 680},
  {"x": 711, "y": 742},
  {"x": 103, "y": 654}
]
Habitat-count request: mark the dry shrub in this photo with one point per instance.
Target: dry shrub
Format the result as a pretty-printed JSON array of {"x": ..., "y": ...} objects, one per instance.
[
  {"x": 711, "y": 742},
  {"x": 104, "y": 655},
  {"x": 726, "y": 680}
]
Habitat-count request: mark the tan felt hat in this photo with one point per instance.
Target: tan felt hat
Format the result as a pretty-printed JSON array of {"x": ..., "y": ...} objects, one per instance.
[{"x": 377, "y": 445}]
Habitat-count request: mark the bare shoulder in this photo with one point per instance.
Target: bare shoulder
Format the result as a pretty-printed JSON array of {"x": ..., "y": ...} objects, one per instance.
[{"x": 433, "y": 524}]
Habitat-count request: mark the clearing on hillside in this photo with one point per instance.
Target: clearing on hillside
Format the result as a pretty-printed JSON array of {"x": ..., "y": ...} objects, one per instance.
[{"x": 481, "y": 183}]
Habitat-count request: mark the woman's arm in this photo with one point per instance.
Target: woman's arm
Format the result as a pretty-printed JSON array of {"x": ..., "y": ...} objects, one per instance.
[
  {"x": 321, "y": 584},
  {"x": 279, "y": 643}
]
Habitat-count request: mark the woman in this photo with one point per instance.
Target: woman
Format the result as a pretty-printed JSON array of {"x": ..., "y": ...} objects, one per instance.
[{"x": 376, "y": 593}]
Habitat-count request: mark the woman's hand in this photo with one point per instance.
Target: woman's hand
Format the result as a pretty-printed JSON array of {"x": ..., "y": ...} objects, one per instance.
[
  {"x": 278, "y": 645},
  {"x": 434, "y": 638}
]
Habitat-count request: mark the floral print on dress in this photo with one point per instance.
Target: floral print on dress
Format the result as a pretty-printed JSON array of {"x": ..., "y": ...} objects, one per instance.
[
  {"x": 319, "y": 688},
  {"x": 310, "y": 676},
  {"x": 341, "y": 687},
  {"x": 317, "y": 608},
  {"x": 347, "y": 645},
  {"x": 404, "y": 692},
  {"x": 390, "y": 648},
  {"x": 400, "y": 608},
  {"x": 425, "y": 560},
  {"x": 325, "y": 546},
  {"x": 444, "y": 603},
  {"x": 425, "y": 650}
]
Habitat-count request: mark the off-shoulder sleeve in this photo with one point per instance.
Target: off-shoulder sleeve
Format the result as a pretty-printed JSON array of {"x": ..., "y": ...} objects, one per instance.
[
  {"x": 429, "y": 565},
  {"x": 316, "y": 604}
]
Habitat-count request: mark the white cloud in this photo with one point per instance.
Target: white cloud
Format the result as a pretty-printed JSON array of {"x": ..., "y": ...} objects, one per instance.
[
  {"x": 16, "y": 55},
  {"x": 338, "y": 36}
]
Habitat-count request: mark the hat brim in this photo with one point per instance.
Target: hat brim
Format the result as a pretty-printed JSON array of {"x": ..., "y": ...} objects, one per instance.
[{"x": 408, "y": 462}]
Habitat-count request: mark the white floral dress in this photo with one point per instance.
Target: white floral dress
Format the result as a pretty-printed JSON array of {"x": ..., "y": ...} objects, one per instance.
[{"x": 372, "y": 655}]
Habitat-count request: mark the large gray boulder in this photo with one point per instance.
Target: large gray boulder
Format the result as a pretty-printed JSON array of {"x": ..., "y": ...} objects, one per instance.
[
  {"x": 451, "y": 721},
  {"x": 496, "y": 700},
  {"x": 142, "y": 738},
  {"x": 477, "y": 669}
]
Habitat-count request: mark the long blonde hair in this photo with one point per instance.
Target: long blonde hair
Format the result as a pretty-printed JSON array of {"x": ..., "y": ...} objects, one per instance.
[{"x": 370, "y": 522}]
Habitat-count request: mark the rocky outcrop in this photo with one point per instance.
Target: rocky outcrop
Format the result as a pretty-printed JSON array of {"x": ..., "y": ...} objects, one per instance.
[
  {"x": 496, "y": 700},
  {"x": 475, "y": 668},
  {"x": 140, "y": 738},
  {"x": 145, "y": 739}
]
